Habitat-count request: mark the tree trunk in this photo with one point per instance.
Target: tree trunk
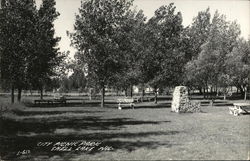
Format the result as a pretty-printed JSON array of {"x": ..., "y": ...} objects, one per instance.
[
  {"x": 245, "y": 96},
  {"x": 200, "y": 90},
  {"x": 41, "y": 93},
  {"x": 216, "y": 91},
  {"x": 143, "y": 92},
  {"x": 242, "y": 92},
  {"x": 103, "y": 95},
  {"x": 225, "y": 96},
  {"x": 12, "y": 94},
  {"x": 117, "y": 92},
  {"x": 90, "y": 94},
  {"x": 204, "y": 92},
  {"x": 126, "y": 92},
  {"x": 19, "y": 94},
  {"x": 131, "y": 91},
  {"x": 155, "y": 90}
]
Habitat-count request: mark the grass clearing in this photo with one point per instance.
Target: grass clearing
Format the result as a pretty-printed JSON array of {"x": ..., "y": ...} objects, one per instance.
[{"x": 149, "y": 132}]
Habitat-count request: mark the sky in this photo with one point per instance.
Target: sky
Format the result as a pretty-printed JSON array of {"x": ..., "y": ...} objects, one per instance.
[{"x": 238, "y": 10}]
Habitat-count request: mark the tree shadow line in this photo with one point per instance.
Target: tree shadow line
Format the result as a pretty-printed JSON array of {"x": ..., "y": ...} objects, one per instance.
[
  {"x": 49, "y": 125},
  {"x": 33, "y": 113},
  {"x": 136, "y": 141}
]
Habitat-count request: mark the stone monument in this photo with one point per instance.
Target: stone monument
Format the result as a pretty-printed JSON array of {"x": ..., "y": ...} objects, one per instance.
[{"x": 181, "y": 102}]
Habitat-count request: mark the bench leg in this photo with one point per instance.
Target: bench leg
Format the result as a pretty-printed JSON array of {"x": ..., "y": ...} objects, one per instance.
[
  {"x": 231, "y": 110},
  {"x": 236, "y": 113},
  {"x": 119, "y": 106},
  {"x": 132, "y": 106}
]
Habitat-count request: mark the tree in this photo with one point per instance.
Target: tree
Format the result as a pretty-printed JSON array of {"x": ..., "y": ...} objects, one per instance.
[
  {"x": 28, "y": 44},
  {"x": 46, "y": 57},
  {"x": 196, "y": 35},
  {"x": 132, "y": 47},
  {"x": 193, "y": 37},
  {"x": 208, "y": 69},
  {"x": 238, "y": 66},
  {"x": 77, "y": 78},
  {"x": 99, "y": 33},
  {"x": 17, "y": 28},
  {"x": 162, "y": 63}
]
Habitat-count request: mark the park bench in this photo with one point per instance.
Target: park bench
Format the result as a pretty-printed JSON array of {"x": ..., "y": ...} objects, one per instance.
[
  {"x": 52, "y": 102},
  {"x": 239, "y": 108},
  {"x": 125, "y": 102},
  {"x": 141, "y": 99}
]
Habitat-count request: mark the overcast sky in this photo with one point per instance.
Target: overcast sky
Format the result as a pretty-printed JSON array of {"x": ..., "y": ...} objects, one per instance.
[{"x": 238, "y": 10}]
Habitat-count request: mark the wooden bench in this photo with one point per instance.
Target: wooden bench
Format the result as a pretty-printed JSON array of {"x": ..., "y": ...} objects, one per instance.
[
  {"x": 51, "y": 102},
  {"x": 42, "y": 102},
  {"x": 141, "y": 99},
  {"x": 125, "y": 102},
  {"x": 239, "y": 108}
]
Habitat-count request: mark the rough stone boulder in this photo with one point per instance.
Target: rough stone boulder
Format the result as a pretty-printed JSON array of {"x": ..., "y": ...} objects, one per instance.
[{"x": 181, "y": 102}]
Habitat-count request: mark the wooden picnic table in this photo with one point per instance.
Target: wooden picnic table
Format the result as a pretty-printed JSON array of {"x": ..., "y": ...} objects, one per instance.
[
  {"x": 239, "y": 108},
  {"x": 50, "y": 101}
]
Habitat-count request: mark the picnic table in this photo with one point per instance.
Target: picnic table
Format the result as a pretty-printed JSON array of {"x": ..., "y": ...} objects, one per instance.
[
  {"x": 239, "y": 108},
  {"x": 125, "y": 102},
  {"x": 52, "y": 102}
]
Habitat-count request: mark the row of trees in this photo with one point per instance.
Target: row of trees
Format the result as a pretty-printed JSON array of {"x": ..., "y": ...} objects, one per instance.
[
  {"x": 222, "y": 58},
  {"x": 29, "y": 56},
  {"x": 118, "y": 48}
]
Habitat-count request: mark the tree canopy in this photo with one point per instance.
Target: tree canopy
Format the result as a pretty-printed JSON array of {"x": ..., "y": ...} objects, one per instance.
[{"x": 27, "y": 45}]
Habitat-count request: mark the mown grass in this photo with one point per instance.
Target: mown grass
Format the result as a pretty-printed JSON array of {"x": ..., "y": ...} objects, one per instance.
[{"x": 149, "y": 132}]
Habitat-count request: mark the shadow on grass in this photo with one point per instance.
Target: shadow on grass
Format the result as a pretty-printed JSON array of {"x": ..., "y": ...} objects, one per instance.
[
  {"x": 11, "y": 142},
  {"x": 245, "y": 113},
  {"x": 72, "y": 104},
  {"x": 11, "y": 145},
  {"x": 32, "y": 113},
  {"x": 49, "y": 125}
]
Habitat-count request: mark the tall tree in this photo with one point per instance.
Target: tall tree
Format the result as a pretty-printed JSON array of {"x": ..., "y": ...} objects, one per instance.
[
  {"x": 46, "y": 57},
  {"x": 163, "y": 58},
  {"x": 208, "y": 69},
  {"x": 193, "y": 37},
  {"x": 16, "y": 43},
  {"x": 98, "y": 36},
  {"x": 196, "y": 34},
  {"x": 77, "y": 78},
  {"x": 238, "y": 66},
  {"x": 132, "y": 47}
]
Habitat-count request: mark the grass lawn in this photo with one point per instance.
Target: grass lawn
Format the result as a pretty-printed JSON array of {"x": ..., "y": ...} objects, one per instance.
[{"x": 149, "y": 132}]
